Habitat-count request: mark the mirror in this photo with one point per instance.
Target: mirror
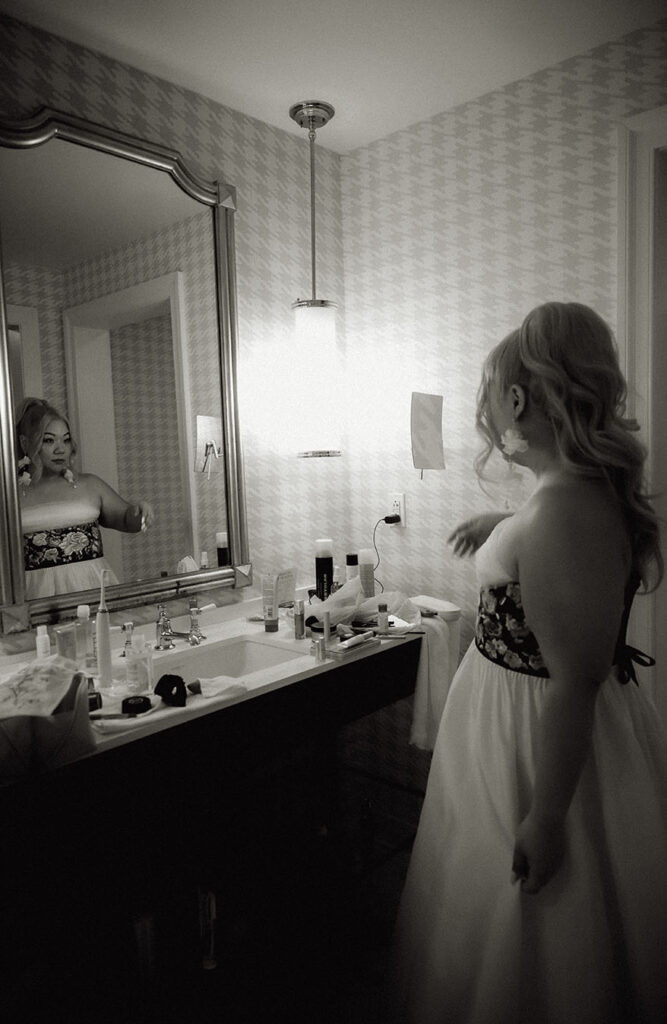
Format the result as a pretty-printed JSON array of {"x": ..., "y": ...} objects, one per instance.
[{"x": 119, "y": 309}]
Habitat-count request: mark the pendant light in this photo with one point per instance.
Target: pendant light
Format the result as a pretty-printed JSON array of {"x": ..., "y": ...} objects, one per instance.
[{"x": 318, "y": 430}]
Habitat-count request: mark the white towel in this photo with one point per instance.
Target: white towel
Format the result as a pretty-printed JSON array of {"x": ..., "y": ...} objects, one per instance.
[
  {"x": 222, "y": 686},
  {"x": 438, "y": 661}
]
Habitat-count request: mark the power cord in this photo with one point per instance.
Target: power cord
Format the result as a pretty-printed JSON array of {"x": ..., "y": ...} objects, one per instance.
[{"x": 385, "y": 519}]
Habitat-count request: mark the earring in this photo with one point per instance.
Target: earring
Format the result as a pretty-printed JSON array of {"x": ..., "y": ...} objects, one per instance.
[
  {"x": 513, "y": 441},
  {"x": 24, "y": 476}
]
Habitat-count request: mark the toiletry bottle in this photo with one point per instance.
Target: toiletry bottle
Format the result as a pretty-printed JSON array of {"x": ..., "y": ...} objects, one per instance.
[
  {"x": 103, "y": 634},
  {"x": 85, "y": 638},
  {"x": 203, "y": 560},
  {"x": 383, "y": 619},
  {"x": 299, "y": 621},
  {"x": 323, "y": 567},
  {"x": 351, "y": 566},
  {"x": 270, "y": 602},
  {"x": 367, "y": 572},
  {"x": 335, "y": 583},
  {"x": 42, "y": 642},
  {"x": 222, "y": 548}
]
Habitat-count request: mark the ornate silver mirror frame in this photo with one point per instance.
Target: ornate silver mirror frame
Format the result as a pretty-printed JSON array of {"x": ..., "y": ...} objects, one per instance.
[{"x": 17, "y": 613}]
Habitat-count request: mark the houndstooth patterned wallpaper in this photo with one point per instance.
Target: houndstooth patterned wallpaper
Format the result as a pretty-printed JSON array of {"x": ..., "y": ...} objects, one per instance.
[{"x": 435, "y": 241}]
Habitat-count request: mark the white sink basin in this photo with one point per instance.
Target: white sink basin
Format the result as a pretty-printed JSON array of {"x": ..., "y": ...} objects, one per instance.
[{"x": 237, "y": 657}]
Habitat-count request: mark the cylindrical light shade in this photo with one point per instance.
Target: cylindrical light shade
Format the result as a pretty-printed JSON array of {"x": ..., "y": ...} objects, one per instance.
[{"x": 317, "y": 410}]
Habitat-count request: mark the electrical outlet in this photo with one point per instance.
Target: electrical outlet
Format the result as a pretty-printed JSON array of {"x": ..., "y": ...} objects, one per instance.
[{"x": 398, "y": 507}]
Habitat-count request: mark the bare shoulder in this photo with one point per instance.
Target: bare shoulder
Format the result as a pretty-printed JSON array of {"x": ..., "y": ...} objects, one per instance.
[{"x": 581, "y": 520}]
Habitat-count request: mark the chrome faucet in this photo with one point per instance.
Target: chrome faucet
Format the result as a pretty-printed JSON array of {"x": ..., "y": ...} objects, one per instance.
[{"x": 164, "y": 634}]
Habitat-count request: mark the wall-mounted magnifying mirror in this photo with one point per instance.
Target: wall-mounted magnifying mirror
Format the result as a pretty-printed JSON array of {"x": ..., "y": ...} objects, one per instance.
[{"x": 119, "y": 310}]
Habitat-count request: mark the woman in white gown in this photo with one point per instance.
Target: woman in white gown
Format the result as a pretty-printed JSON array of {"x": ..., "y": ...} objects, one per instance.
[
  {"x": 536, "y": 892},
  {"x": 62, "y": 511}
]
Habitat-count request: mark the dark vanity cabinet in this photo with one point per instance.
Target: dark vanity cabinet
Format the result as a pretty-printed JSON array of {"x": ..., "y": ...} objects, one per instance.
[{"x": 105, "y": 861}]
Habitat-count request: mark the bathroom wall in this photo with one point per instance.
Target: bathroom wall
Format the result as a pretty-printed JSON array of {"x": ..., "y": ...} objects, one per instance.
[
  {"x": 435, "y": 241},
  {"x": 452, "y": 231}
]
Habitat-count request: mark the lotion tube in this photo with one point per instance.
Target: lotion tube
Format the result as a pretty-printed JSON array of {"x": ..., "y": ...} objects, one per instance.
[{"x": 270, "y": 602}]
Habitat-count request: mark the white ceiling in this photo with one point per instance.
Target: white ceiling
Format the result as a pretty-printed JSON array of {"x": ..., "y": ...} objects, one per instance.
[{"x": 383, "y": 64}]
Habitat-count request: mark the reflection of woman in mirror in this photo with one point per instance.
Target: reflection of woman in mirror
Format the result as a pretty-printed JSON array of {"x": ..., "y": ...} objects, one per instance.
[{"x": 62, "y": 510}]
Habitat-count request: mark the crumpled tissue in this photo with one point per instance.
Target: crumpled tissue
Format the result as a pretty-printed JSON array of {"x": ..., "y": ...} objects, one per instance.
[
  {"x": 348, "y": 604},
  {"x": 187, "y": 564}
]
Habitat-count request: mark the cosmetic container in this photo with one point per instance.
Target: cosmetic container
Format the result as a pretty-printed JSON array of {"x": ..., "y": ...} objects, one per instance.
[
  {"x": 299, "y": 621},
  {"x": 367, "y": 572},
  {"x": 323, "y": 567},
  {"x": 66, "y": 641},
  {"x": 222, "y": 548},
  {"x": 270, "y": 602},
  {"x": 351, "y": 566},
  {"x": 383, "y": 619},
  {"x": 203, "y": 560},
  {"x": 42, "y": 642}
]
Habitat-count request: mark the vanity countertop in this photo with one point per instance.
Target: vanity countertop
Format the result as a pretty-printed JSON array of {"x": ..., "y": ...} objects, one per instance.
[
  {"x": 303, "y": 665},
  {"x": 220, "y": 632}
]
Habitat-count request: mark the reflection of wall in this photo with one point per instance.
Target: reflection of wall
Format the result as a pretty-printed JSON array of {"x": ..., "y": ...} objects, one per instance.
[
  {"x": 448, "y": 232},
  {"x": 42, "y": 289},
  {"x": 144, "y": 390},
  {"x": 187, "y": 247}
]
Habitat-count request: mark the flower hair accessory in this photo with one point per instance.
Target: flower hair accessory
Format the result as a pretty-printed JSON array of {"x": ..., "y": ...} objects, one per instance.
[
  {"x": 513, "y": 441},
  {"x": 24, "y": 476},
  {"x": 69, "y": 476}
]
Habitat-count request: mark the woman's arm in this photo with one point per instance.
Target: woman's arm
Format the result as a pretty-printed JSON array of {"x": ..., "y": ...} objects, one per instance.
[
  {"x": 115, "y": 512},
  {"x": 471, "y": 534},
  {"x": 573, "y": 563}
]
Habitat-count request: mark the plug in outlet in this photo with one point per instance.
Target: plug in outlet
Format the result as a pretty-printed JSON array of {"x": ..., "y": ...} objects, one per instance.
[{"x": 398, "y": 507}]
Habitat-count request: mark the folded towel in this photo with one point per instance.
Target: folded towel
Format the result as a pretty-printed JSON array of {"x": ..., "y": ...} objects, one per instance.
[
  {"x": 221, "y": 686},
  {"x": 438, "y": 661}
]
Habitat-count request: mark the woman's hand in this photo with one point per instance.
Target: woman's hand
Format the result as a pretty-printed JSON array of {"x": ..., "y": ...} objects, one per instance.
[
  {"x": 139, "y": 516},
  {"x": 470, "y": 535},
  {"x": 539, "y": 848}
]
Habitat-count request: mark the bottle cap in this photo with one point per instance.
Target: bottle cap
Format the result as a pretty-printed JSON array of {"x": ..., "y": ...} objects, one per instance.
[
  {"x": 83, "y": 611},
  {"x": 42, "y": 631},
  {"x": 366, "y": 556},
  {"x": 221, "y": 539},
  {"x": 324, "y": 547},
  {"x": 352, "y": 559},
  {"x": 382, "y": 607}
]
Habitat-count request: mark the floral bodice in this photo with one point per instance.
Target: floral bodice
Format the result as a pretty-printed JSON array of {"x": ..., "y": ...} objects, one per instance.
[
  {"x": 46, "y": 548},
  {"x": 502, "y": 635}
]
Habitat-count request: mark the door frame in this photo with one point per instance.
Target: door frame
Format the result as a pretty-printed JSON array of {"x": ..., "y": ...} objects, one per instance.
[{"x": 640, "y": 138}]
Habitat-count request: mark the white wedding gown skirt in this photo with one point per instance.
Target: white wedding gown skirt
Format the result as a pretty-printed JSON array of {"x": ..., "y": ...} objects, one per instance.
[{"x": 591, "y": 946}]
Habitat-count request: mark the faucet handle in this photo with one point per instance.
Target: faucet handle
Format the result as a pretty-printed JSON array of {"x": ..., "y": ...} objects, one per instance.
[{"x": 195, "y": 635}]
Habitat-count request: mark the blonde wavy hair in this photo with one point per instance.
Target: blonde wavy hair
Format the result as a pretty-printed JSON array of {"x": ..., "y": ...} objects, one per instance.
[{"x": 565, "y": 355}]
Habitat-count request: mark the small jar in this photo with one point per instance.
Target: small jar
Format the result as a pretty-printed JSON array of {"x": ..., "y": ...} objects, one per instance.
[{"x": 383, "y": 619}]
